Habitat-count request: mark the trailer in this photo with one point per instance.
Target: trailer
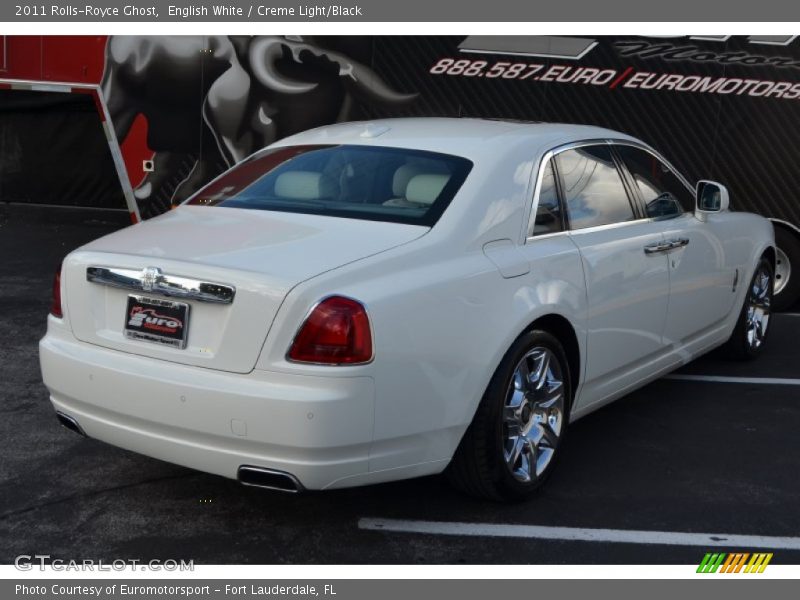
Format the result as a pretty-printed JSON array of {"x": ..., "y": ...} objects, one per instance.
[{"x": 139, "y": 123}]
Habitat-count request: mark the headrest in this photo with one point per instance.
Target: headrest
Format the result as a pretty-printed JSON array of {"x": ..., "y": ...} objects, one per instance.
[
  {"x": 303, "y": 185},
  {"x": 401, "y": 178},
  {"x": 424, "y": 189}
]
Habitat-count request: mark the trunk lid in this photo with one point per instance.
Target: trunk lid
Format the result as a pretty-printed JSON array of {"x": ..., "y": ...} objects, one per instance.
[{"x": 261, "y": 254}]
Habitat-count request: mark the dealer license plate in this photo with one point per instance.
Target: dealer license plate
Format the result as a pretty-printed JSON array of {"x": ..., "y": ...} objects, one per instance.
[{"x": 158, "y": 321}]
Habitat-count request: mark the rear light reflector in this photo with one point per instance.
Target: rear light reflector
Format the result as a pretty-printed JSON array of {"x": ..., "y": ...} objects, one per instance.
[
  {"x": 55, "y": 305},
  {"x": 337, "y": 332}
]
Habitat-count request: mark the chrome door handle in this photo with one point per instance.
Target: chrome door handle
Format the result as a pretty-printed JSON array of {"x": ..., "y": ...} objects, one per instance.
[
  {"x": 666, "y": 246},
  {"x": 657, "y": 247},
  {"x": 678, "y": 243}
]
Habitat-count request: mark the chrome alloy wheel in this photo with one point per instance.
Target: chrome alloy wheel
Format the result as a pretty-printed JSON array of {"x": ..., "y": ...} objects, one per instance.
[
  {"x": 533, "y": 414},
  {"x": 758, "y": 303},
  {"x": 783, "y": 270}
]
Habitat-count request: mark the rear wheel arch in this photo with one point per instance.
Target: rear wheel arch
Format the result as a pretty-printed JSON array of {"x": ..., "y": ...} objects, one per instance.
[{"x": 562, "y": 329}]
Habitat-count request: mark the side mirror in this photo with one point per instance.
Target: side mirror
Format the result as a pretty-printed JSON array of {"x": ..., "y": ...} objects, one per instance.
[{"x": 711, "y": 197}]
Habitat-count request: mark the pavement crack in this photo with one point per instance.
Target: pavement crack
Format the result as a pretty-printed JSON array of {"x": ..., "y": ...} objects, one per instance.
[{"x": 92, "y": 494}]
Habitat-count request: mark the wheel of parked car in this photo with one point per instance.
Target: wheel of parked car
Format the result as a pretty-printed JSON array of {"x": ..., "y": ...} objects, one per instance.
[
  {"x": 750, "y": 333},
  {"x": 516, "y": 436},
  {"x": 787, "y": 285}
]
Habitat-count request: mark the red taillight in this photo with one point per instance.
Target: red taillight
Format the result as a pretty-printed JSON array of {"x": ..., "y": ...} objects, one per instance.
[
  {"x": 55, "y": 305},
  {"x": 336, "y": 332}
]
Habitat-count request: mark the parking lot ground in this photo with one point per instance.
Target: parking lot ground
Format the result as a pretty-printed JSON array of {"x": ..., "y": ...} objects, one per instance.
[{"x": 678, "y": 456}]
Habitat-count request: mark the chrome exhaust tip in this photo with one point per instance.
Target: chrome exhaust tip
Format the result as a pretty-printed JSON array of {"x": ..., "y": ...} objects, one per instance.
[
  {"x": 70, "y": 423},
  {"x": 269, "y": 479}
]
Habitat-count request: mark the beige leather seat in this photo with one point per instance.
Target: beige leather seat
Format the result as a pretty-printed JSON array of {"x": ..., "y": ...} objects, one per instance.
[
  {"x": 304, "y": 185},
  {"x": 399, "y": 184},
  {"x": 424, "y": 187}
]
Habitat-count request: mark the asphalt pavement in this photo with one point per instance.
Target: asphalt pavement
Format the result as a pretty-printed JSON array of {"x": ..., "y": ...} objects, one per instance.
[{"x": 717, "y": 453}]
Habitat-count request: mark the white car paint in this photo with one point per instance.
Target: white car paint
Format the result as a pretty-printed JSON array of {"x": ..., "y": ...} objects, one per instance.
[
  {"x": 263, "y": 254},
  {"x": 445, "y": 304}
]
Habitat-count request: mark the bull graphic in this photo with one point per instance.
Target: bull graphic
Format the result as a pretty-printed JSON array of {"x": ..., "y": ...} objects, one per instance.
[{"x": 211, "y": 101}]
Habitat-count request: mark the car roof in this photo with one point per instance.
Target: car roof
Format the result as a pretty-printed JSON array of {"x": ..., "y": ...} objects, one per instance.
[{"x": 471, "y": 138}]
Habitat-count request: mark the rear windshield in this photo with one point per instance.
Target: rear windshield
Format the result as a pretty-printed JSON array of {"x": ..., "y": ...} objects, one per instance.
[{"x": 357, "y": 182}]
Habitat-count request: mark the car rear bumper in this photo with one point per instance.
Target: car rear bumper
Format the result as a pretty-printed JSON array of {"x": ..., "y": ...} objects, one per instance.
[{"x": 318, "y": 429}]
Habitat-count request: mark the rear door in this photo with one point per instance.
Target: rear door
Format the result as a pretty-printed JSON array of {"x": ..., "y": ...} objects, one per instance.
[
  {"x": 626, "y": 274},
  {"x": 701, "y": 282}
]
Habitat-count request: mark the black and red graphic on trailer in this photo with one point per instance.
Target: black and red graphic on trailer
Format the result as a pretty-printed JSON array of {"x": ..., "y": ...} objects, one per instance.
[
  {"x": 727, "y": 107},
  {"x": 252, "y": 92}
]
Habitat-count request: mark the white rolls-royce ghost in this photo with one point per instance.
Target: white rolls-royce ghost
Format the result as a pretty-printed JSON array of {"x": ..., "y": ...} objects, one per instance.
[{"x": 373, "y": 301}]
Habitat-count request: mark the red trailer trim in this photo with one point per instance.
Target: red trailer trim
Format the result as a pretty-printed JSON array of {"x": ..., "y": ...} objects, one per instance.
[{"x": 102, "y": 110}]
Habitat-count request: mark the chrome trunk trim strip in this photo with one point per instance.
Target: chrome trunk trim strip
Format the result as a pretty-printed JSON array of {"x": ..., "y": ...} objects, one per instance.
[{"x": 152, "y": 281}]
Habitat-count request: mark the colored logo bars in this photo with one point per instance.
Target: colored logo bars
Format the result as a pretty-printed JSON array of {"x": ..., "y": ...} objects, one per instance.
[{"x": 735, "y": 562}]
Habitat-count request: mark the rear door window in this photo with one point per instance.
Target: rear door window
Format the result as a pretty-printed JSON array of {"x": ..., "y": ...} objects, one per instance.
[{"x": 594, "y": 193}]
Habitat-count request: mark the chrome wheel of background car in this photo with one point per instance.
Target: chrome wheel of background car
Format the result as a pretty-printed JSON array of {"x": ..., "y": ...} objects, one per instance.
[
  {"x": 758, "y": 307},
  {"x": 783, "y": 270},
  {"x": 533, "y": 414}
]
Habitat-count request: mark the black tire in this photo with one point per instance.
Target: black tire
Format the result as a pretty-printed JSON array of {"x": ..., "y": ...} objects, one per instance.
[
  {"x": 739, "y": 346},
  {"x": 789, "y": 244},
  {"x": 479, "y": 467}
]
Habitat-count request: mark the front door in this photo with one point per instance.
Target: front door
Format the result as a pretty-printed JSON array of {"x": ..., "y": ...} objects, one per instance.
[{"x": 701, "y": 283}]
